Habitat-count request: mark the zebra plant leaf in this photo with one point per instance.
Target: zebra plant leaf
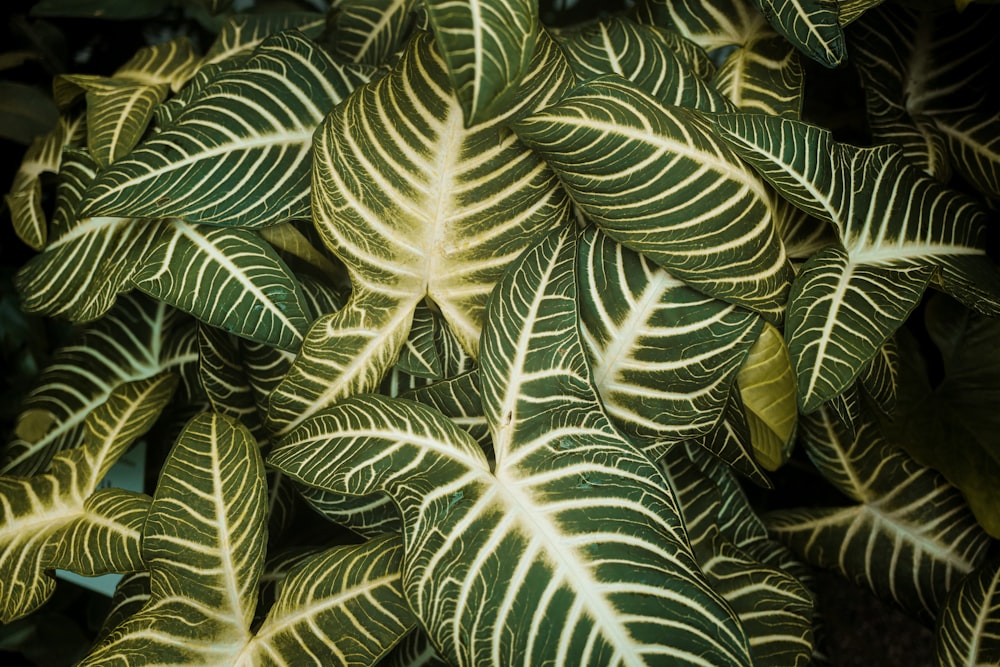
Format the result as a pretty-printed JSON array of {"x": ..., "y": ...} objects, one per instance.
[
  {"x": 968, "y": 628},
  {"x": 487, "y": 45},
  {"x": 712, "y": 25},
  {"x": 369, "y": 31},
  {"x": 813, "y": 26},
  {"x": 207, "y": 167},
  {"x": 242, "y": 33},
  {"x": 657, "y": 181},
  {"x": 229, "y": 278},
  {"x": 765, "y": 75},
  {"x": 137, "y": 340},
  {"x": 451, "y": 208},
  {"x": 54, "y": 519},
  {"x": 892, "y": 540},
  {"x": 897, "y": 228},
  {"x": 606, "y": 590},
  {"x": 663, "y": 356}
]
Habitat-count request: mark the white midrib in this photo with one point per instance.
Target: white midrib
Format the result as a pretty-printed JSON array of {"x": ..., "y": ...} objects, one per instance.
[{"x": 438, "y": 201}]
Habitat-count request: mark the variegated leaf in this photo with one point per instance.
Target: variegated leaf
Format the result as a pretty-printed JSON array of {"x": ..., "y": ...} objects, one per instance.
[
  {"x": 968, "y": 627},
  {"x": 910, "y": 538},
  {"x": 764, "y": 75},
  {"x": 712, "y": 25},
  {"x": 415, "y": 650},
  {"x": 240, "y": 153},
  {"x": 242, "y": 33},
  {"x": 369, "y": 31},
  {"x": 598, "y": 588},
  {"x": 487, "y": 45},
  {"x": 657, "y": 181},
  {"x": 663, "y": 356},
  {"x": 138, "y": 339},
  {"x": 813, "y": 26}
]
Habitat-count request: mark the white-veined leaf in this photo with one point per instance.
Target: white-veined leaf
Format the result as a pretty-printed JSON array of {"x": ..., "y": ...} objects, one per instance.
[
  {"x": 415, "y": 650},
  {"x": 656, "y": 180},
  {"x": 764, "y": 75},
  {"x": 221, "y": 373},
  {"x": 242, "y": 33},
  {"x": 897, "y": 227},
  {"x": 487, "y": 45},
  {"x": 573, "y": 523},
  {"x": 663, "y": 356},
  {"x": 910, "y": 537},
  {"x": 240, "y": 153},
  {"x": 731, "y": 442},
  {"x": 54, "y": 519},
  {"x": 968, "y": 627},
  {"x": 813, "y": 26},
  {"x": 138, "y": 339},
  {"x": 229, "y": 278},
  {"x": 711, "y": 25},
  {"x": 369, "y": 31}
]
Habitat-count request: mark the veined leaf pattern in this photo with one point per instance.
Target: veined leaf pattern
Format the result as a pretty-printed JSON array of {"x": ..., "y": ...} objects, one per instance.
[
  {"x": 813, "y": 26},
  {"x": 968, "y": 628},
  {"x": 710, "y": 25},
  {"x": 487, "y": 45},
  {"x": 369, "y": 31},
  {"x": 245, "y": 140},
  {"x": 242, "y": 33},
  {"x": 467, "y": 527},
  {"x": 657, "y": 181},
  {"x": 764, "y": 75},
  {"x": 910, "y": 538}
]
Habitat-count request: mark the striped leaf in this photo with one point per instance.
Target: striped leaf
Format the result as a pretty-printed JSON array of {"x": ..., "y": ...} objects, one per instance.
[
  {"x": 564, "y": 550},
  {"x": 204, "y": 544},
  {"x": 369, "y": 31},
  {"x": 973, "y": 140},
  {"x": 811, "y": 25},
  {"x": 711, "y": 25},
  {"x": 137, "y": 340},
  {"x": 663, "y": 356},
  {"x": 431, "y": 209},
  {"x": 487, "y": 45},
  {"x": 765, "y": 75},
  {"x": 645, "y": 56},
  {"x": 229, "y": 278},
  {"x": 242, "y": 33},
  {"x": 773, "y": 607},
  {"x": 910, "y": 537},
  {"x": 897, "y": 228},
  {"x": 222, "y": 376},
  {"x": 415, "y": 650},
  {"x": 730, "y": 441},
  {"x": 240, "y": 153},
  {"x": 55, "y": 519},
  {"x": 968, "y": 628},
  {"x": 657, "y": 181},
  {"x": 459, "y": 400},
  {"x": 130, "y": 595}
]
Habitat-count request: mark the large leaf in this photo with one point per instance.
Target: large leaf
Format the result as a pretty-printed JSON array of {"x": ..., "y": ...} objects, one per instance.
[
  {"x": 429, "y": 209},
  {"x": 657, "y": 181},
  {"x": 136, "y": 340},
  {"x": 897, "y": 227},
  {"x": 571, "y": 548},
  {"x": 910, "y": 536},
  {"x": 369, "y": 31},
  {"x": 242, "y": 33},
  {"x": 239, "y": 154},
  {"x": 487, "y": 45},
  {"x": 813, "y": 26},
  {"x": 765, "y": 75},
  {"x": 54, "y": 519},
  {"x": 711, "y": 25},
  {"x": 663, "y": 356},
  {"x": 968, "y": 628}
]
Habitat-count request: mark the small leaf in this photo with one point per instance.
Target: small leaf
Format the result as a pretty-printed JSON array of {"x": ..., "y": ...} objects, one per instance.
[{"x": 767, "y": 388}]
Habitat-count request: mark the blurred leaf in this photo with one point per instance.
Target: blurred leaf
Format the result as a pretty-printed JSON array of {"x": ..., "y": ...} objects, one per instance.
[
  {"x": 121, "y": 10},
  {"x": 25, "y": 112}
]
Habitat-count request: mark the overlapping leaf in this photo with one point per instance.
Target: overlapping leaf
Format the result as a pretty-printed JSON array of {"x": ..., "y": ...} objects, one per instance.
[
  {"x": 240, "y": 153},
  {"x": 710, "y": 25},
  {"x": 813, "y": 26},
  {"x": 487, "y": 45},
  {"x": 54, "y": 519},
  {"x": 561, "y": 561},
  {"x": 138, "y": 339},
  {"x": 369, "y": 31},
  {"x": 242, "y": 33},
  {"x": 968, "y": 628},
  {"x": 910, "y": 537},
  {"x": 765, "y": 75},
  {"x": 897, "y": 228},
  {"x": 416, "y": 205},
  {"x": 657, "y": 181}
]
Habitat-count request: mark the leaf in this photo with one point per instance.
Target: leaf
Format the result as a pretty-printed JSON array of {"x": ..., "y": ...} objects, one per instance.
[
  {"x": 951, "y": 424},
  {"x": 242, "y": 33},
  {"x": 598, "y": 586},
  {"x": 730, "y": 441},
  {"x": 655, "y": 180},
  {"x": 54, "y": 519},
  {"x": 765, "y": 75},
  {"x": 897, "y": 227},
  {"x": 968, "y": 628},
  {"x": 767, "y": 388},
  {"x": 228, "y": 278},
  {"x": 975, "y": 149},
  {"x": 204, "y": 544},
  {"x": 343, "y": 606},
  {"x": 415, "y": 650},
  {"x": 811, "y": 25},
  {"x": 209, "y": 167},
  {"x": 893, "y": 540},
  {"x": 369, "y": 31},
  {"x": 712, "y": 25},
  {"x": 26, "y": 112},
  {"x": 138, "y": 339},
  {"x": 663, "y": 356},
  {"x": 487, "y": 45}
]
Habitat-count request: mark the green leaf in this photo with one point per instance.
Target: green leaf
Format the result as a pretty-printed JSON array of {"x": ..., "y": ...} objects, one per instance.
[
  {"x": 663, "y": 356},
  {"x": 487, "y": 45},
  {"x": 973, "y": 143},
  {"x": 54, "y": 519},
  {"x": 711, "y": 25},
  {"x": 657, "y": 181},
  {"x": 242, "y": 33},
  {"x": 952, "y": 424},
  {"x": 204, "y": 543},
  {"x": 811, "y": 25},
  {"x": 765, "y": 75},
  {"x": 210, "y": 167},
  {"x": 228, "y": 278},
  {"x": 369, "y": 31},
  {"x": 968, "y": 628},
  {"x": 137, "y": 340},
  {"x": 574, "y": 524},
  {"x": 893, "y": 540},
  {"x": 897, "y": 227},
  {"x": 767, "y": 389}
]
